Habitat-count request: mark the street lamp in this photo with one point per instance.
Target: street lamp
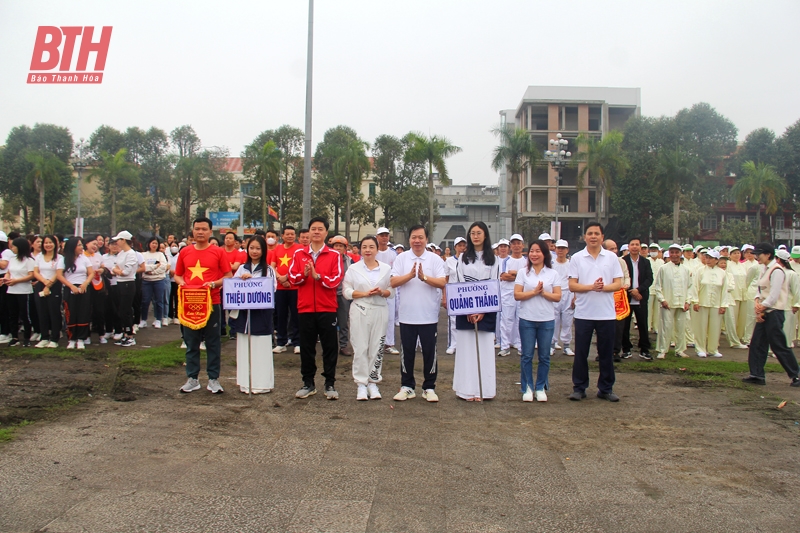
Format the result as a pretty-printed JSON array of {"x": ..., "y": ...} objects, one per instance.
[
  {"x": 559, "y": 158},
  {"x": 79, "y": 162},
  {"x": 242, "y": 196}
]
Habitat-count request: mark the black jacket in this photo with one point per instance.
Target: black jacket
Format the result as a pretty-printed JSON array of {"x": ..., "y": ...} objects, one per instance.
[{"x": 645, "y": 275}]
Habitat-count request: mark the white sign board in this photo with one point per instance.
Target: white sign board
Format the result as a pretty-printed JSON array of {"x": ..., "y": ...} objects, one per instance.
[
  {"x": 253, "y": 293},
  {"x": 473, "y": 297}
]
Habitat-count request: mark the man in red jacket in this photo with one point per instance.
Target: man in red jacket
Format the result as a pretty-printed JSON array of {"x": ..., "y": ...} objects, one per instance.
[{"x": 317, "y": 270}]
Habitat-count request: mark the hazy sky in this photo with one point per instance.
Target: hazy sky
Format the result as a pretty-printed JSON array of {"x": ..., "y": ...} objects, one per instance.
[{"x": 233, "y": 69}]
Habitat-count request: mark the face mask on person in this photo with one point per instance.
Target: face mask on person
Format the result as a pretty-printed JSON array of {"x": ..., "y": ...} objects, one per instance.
[
  {"x": 271, "y": 241},
  {"x": 174, "y": 250},
  {"x": 653, "y": 254}
]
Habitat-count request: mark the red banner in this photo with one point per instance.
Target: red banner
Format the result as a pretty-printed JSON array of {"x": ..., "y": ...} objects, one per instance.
[
  {"x": 194, "y": 306},
  {"x": 621, "y": 304}
]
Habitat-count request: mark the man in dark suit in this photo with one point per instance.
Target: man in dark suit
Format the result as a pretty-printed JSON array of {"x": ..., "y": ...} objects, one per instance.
[{"x": 638, "y": 295}]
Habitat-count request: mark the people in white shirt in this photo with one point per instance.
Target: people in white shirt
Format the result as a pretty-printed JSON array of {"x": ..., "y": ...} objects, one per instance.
[
  {"x": 452, "y": 277},
  {"x": 509, "y": 313}
]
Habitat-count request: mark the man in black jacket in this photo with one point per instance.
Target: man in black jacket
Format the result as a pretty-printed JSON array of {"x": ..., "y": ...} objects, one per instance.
[{"x": 638, "y": 295}]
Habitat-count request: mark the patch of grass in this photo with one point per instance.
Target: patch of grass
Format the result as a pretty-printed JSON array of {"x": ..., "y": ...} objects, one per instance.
[
  {"x": 7, "y": 433},
  {"x": 702, "y": 372},
  {"x": 150, "y": 359},
  {"x": 35, "y": 353}
]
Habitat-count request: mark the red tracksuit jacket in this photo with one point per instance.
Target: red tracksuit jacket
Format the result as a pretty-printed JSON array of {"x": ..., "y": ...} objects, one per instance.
[{"x": 316, "y": 296}]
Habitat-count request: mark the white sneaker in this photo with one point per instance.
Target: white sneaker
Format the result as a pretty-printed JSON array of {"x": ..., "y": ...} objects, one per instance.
[
  {"x": 279, "y": 349},
  {"x": 701, "y": 354},
  {"x": 103, "y": 340},
  {"x": 183, "y": 345},
  {"x": 117, "y": 336},
  {"x": 36, "y": 337},
  {"x": 88, "y": 341},
  {"x": 52, "y": 345},
  {"x": 81, "y": 345},
  {"x": 552, "y": 351},
  {"x": 142, "y": 324},
  {"x": 557, "y": 346},
  {"x": 504, "y": 353},
  {"x": 406, "y": 393},
  {"x": 682, "y": 354},
  {"x": 297, "y": 349},
  {"x": 430, "y": 395},
  {"x": 568, "y": 351},
  {"x": 450, "y": 351},
  {"x": 362, "y": 393},
  {"x": 157, "y": 324},
  {"x": 528, "y": 396},
  {"x": 108, "y": 336},
  {"x": 71, "y": 345},
  {"x": 4, "y": 338},
  {"x": 741, "y": 347},
  {"x": 661, "y": 355},
  {"x": 716, "y": 354},
  {"x": 43, "y": 344},
  {"x": 135, "y": 329},
  {"x": 203, "y": 345},
  {"x": 497, "y": 346},
  {"x": 165, "y": 322},
  {"x": 391, "y": 350},
  {"x": 541, "y": 396},
  {"x": 374, "y": 393}
]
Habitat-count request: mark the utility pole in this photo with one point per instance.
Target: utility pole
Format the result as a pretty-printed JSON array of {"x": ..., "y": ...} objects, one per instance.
[{"x": 307, "y": 157}]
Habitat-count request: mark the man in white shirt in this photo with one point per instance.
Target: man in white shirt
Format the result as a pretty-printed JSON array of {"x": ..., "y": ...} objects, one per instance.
[
  {"x": 421, "y": 275},
  {"x": 459, "y": 246},
  {"x": 671, "y": 291},
  {"x": 509, "y": 314},
  {"x": 387, "y": 255},
  {"x": 594, "y": 275}
]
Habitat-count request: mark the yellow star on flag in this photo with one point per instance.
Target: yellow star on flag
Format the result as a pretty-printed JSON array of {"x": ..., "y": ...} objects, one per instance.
[
  {"x": 285, "y": 261},
  {"x": 197, "y": 271}
]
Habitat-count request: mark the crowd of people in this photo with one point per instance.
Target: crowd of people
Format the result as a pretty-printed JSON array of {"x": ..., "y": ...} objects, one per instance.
[{"x": 351, "y": 297}]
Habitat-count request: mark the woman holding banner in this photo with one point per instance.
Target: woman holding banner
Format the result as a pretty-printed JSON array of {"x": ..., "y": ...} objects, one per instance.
[
  {"x": 254, "y": 327},
  {"x": 538, "y": 290},
  {"x": 368, "y": 284},
  {"x": 478, "y": 263}
]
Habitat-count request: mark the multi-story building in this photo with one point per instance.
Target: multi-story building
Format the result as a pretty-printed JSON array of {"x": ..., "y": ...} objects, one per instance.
[
  {"x": 544, "y": 112},
  {"x": 460, "y": 206}
]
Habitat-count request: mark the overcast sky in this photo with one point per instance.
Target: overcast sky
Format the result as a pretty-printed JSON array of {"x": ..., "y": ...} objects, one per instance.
[{"x": 233, "y": 69}]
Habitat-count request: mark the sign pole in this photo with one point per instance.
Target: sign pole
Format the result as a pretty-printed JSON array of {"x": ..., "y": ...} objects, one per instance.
[
  {"x": 249, "y": 356},
  {"x": 478, "y": 351}
]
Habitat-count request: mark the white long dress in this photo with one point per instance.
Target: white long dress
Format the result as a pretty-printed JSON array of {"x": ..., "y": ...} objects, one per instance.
[
  {"x": 465, "y": 371},
  {"x": 260, "y": 350}
]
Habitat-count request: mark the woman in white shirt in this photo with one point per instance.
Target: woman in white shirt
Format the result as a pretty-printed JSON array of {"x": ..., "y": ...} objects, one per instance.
[
  {"x": 156, "y": 267},
  {"x": 126, "y": 265},
  {"x": 537, "y": 289},
  {"x": 47, "y": 291},
  {"x": 477, "y": 263},
  {"x": 368, "y": 284},
  {"x": 76, "y": 277},
  {"x": 18, "y": 280}
]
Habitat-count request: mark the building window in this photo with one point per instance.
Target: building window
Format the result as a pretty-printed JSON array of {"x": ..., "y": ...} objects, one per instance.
[
  {"x": 247, "y": 188},
  {"x": 710, "y": 222},
  {"x": 592, "y": 202},
  {"x": 372, "y": 188},
  {"x": 780, "y": 223}
]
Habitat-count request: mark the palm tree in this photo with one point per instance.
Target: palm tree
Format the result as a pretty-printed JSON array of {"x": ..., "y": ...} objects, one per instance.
[
  {"x": 46, "y": 168},
  {"x": 267, "y": 168},
  {"x": 111, "y": 171},
  {"x": 604, "y": 160},
  {"x": 517, "y": 152},
  {"x": 351, "y": 163},
  {"x": 433, "y": 150},
  {"x": 760, "y": 184},
  {"x": 677, "y": 172}
]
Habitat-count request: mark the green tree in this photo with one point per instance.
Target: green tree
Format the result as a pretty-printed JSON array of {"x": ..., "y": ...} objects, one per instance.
[
  {"x": 266, "y": 169},
  {"x": 105, "y": 139},
  {"x": 45, "y": 173},
  {"x": 517, "y": 152},
  {"x": 759, "y": 147},
  {"x": 762, "y": 186},
  {"x": 677, "y": 173},
  {"x": 350, "y": 166},
  {"x": 401, "y": 195},
  {"x": 604, "y": 161},
  {"x": 114, "y": 172},
  {"x": 788, "y": 156},
  {"x": 736, "y": 232},
  {"x": 433, "y": 151},
  {"x": 333, "y": 186},
  {"x": 155, "y": 171},
  {"x": 703, "y": 132}
]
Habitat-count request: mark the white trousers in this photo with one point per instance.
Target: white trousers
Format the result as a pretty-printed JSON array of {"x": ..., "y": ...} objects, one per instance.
[
  {"x": 750, "y": 322},
  {"x": 451, "y": 332},
  {"x": 263, "y": 373},
  {"x": 564, "y": 316},
  {"x": 732, "y": 331},
  {"x": 465, "y": 370},
  {"x": 509, "y": 321},
  {"x": 671, "y": 324},
  {"x": 709, "y": 328},
  {"x": 691, "y": 320},
  {"x": 652, "y": 312},
  {"x": 790, "y": 327},
  {"x": 390, "y": 324},
  {"x": 367, "y": 335}
]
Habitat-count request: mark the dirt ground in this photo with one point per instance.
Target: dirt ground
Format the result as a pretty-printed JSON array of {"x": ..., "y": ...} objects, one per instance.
[{"x": 124, "y": 451}]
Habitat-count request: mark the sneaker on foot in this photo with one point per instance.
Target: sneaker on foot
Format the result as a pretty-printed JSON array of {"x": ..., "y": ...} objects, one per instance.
[
  {"x": 157, "y": 324},
  {"x": 279, "y": 349},
  {"x": 52, "y": 344},
  {"x": 297, "y": 349},
  {"x": 795, "y": 382},
  {"x": 192, "y": 384},
  {"x": 646, "y": 356},
  {"x": 203, "y": 345},
  {"x": 36, "y": 337},
  {"x": 450, "y": 351},
  {"x": 577, "y": 396},
  {"x": 683, "y": 355},
  {"x": 430, "y": 395},
  {"x": 128, "y": 341},
  {"x": 81, "y": 345},
  {"x": 214, "y": 386},
  {"x": 504, "y": 353},
  {"x": 183, "y": 345},
  {"x": 117, "y": 336},
  {"x": 71, "y": 345},
  {"x": 569, "y": 352},
  {"x": 661, "y": 355},
  {"x": 610, "y": 396},
  {"x": 87, "y": 341},
  {"x": 497, "y": 346},
  {"x": 754, "y": 380},
  {"x": 330, "y": 393},
  {"x": 374, "y": 393},
  {"x": 627, "y": 355},
  {"x": 557, "y": 346},
  {"x": 165, "y": 322},
  {"x": 142, "y": 324},
  {"x": 406, "y": 393},
  {"x": 552, "y": 351},
  {"x": 108, "y": 336},
  {"x": 528, "y": 395},
  {"x": 741, "y": 347},
  {"x": 42, "y": 344},
  {"x": 391, "y": 350},
  {"x": 716, "y": 354},
  {"x": 701, "y": 354},
  {"x": 361, "y": 394},
  {"x": 305, "y": 392},
  {"x": 4, "y": 339},
  {"x": 541, "y": 396},
  {"x": 103, "y": 340}
]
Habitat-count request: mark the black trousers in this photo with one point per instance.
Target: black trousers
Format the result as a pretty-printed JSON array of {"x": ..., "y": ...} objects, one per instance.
[
  {"x": 137, "y": 301},
  {"x": 427, "y": 339},
  {"x": 769, "y": 334},
  {"x": 113, "y": 322},
  {"x": 5, "y": 325},
  {"x": 98, "y": 299},
  {"x": 127, "y": 293},
  {"x": 286, "y": 309},
  {"x": 322, "y": 325},
  {"x": 173, "y": 301},
  {"x": 77, "y": 312},
  {"x": 19, "y": 311},
  {"x": 641, "y": 324},
  {"x": 49, "y": 311},
  {"x": 583, "y": 330}
]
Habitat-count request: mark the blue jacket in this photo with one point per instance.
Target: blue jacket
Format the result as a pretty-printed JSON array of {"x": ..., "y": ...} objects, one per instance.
[{"x": 261, "y": 322}]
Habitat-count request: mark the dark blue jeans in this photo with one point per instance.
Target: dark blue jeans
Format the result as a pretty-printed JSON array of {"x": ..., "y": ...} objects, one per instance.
[
  {"x": 606, "y": 330},
  {"x": 210, "y": 334},
  {"x": 532, "y": 334}
]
